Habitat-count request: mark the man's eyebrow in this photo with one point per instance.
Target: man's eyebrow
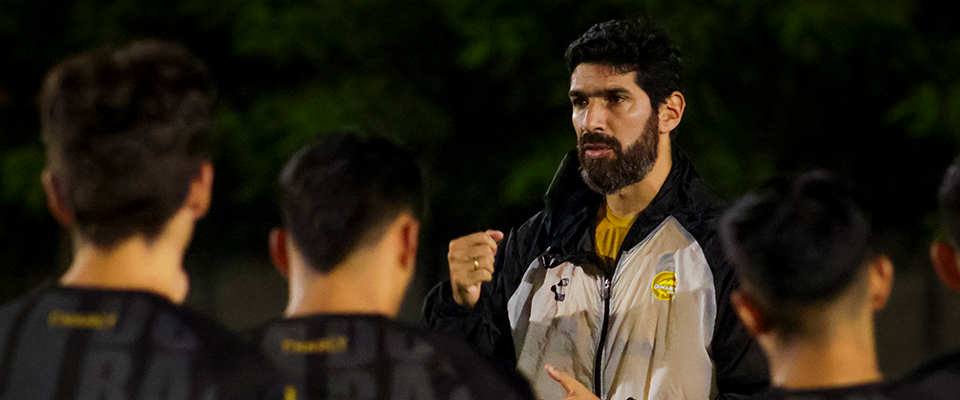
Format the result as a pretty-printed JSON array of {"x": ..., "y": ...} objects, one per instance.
[{"x": 602, "y": 92}]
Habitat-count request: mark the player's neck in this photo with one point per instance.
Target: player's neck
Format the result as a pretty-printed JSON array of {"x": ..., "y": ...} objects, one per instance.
[
  {"x": 347, "y": 289},
  {"x": 135, "y": 264},
  {"x": 631, "y": 200},
  {"x": 843, "y": 357}
]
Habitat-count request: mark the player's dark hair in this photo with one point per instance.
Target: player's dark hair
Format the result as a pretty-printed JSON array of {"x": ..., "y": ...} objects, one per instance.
[
  {"x": 124, "y": 130},
  {"x": 949, "y": 198},
  {"x": 632, "y": 45},
  {"x": 338, "y": 193},
  {"x": 796, "y": 243}
]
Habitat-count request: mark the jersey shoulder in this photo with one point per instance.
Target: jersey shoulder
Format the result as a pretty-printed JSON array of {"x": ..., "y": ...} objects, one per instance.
[
  {"x": 68, "y": 342},
  {"x": 373, "y": 357}
]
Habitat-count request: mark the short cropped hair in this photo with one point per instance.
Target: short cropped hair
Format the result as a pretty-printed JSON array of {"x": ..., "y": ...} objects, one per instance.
[
  {"x": 796, "y": 243},
  {"x": 339, "y": 193},
  {"x": 949, "y": 199},
  {"x": 632, "y": 45},
  {"x": 124, "y": 130}
]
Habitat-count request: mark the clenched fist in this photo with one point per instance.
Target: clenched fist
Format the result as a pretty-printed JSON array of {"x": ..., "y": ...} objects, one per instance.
[{"x": 471, "y": 264}]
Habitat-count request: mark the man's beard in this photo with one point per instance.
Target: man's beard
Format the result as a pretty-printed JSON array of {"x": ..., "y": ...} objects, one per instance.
[{"x": 607, "y": 176}]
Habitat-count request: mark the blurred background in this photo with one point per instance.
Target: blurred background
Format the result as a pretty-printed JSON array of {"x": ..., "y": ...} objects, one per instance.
[{"x": 477, "y": 89}]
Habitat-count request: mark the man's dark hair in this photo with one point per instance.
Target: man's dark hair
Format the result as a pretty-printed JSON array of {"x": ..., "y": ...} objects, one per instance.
[
  {"x": 338, "y": 193},
  {"x": 797, "y": 243},
  {"x": 124, "y": 130},
  {"x": 949, "y": 199},
  {"x": 632, "y": 45}
]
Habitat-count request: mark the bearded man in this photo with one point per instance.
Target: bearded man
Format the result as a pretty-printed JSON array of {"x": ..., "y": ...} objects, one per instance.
[{"x": 620, "y": 281}]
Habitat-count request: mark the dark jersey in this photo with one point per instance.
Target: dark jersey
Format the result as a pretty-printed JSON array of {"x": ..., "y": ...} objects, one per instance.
[
  {"x": 895, "y": 390},
  {"x": 372, "y": 357},
  {"x": 70, "y": 343},
  {"x": 939, "y": 379}
]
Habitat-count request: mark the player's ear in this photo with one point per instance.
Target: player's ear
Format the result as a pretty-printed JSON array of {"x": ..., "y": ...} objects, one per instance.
[
  {"x": 671, "y": 112},
  {"x": 881, "y": 280},
  {"x": 201, "y": 190},
  {"x": 278, "y": 251},
  {"x": 409, "y": 239},
  {"x": 749, "y": 312},
  {"x": 58, "y": 208},
  {"x": 944, "y": 260}
]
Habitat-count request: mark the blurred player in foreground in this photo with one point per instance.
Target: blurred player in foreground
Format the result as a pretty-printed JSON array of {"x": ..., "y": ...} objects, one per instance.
[
  {"x": 940, "y": 379},
  {"x": 127, "y": 176},
  {"x": 351, "y": 211},
  {"x": 810, "y": 284}
]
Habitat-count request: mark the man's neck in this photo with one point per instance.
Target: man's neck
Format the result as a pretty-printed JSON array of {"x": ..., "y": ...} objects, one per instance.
[
  {"x": 347, "y": 289},
  {"x": 631, "y": 200},
  {"x": 841, "y": 359},
  {"x": 134, "y": 264},
  {"x": 154, "y": 266}
]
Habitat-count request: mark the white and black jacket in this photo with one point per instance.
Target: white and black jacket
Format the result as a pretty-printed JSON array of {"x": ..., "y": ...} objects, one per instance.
[{"x": 646, "y": 328}]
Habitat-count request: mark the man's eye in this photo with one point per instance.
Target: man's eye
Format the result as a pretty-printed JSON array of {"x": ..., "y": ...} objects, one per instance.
[
  {"x": 579, "y": 103},
  {"x": 616, "y": 99}
]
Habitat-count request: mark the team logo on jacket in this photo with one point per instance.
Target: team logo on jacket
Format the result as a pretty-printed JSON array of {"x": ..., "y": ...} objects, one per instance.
[
  {"x": 664, "y": 285},
  {"x": 558, "y": 289}
]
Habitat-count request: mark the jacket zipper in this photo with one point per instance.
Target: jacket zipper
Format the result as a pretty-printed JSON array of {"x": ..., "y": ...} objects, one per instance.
[{"x": 598, "y": 360}]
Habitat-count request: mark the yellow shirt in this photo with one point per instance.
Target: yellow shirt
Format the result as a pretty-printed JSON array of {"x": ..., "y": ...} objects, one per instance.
[{"x": 611, "y": 229}]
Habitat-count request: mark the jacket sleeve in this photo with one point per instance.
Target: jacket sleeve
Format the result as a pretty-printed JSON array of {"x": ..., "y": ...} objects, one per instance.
[
  {"x": 486, "y": 326},
  {"x": 741, "y": 365}
]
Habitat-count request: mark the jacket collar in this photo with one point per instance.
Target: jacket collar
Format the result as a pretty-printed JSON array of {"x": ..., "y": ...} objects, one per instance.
[{"x": 571, "y": 206}]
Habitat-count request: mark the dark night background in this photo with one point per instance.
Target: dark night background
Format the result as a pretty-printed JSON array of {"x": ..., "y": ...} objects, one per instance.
[{"x": 477, "y": 89}]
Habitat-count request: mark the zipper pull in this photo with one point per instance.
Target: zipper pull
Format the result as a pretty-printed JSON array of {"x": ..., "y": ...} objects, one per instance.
[{"x": 605, "y": 290}]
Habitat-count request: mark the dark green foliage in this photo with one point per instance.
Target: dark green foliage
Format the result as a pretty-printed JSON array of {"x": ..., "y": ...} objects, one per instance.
[{"x": 477, "y": 89}]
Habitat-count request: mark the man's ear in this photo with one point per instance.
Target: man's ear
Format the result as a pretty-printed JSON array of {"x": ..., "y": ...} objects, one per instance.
[
  {"x": 944, "y": 260},
  {"x": 671, "y": 112},
  {"x": 278, "y": 251},
  {"x": 881, "y": 281},
  {"x": 201, "y": 191},
  {"x": 749, "y": 312},
  {"x": 409, "y": 240},
  {"x": 58, "y": 208}
]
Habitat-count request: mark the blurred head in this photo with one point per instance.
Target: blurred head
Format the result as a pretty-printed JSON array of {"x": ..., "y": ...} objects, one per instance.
[
  {"x": 124, "y": 130},
  {"x": 633, "y": 45},
  {"x": 801, "y": 246},
  {"x": 340, "y": 193},
  {"x": 943, "y": 254},
  {"x": 949, "y": 199}
]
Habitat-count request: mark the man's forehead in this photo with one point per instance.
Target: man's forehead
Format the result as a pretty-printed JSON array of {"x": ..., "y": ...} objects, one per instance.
[{"x": 591, "y": 77}]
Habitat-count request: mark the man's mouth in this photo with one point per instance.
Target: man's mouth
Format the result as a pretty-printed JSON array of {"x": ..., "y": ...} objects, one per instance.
[{"x": 596, "y": 150}]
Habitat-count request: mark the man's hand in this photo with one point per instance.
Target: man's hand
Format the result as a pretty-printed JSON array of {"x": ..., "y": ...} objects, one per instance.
[
  {"x": 471, "y": 264},
  {"x": 575, "y": 390}
]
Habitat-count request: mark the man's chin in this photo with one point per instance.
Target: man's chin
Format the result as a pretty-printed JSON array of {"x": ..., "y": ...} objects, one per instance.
[
  {"x": 607, "y": 182},
  {"x": 604, "y": 188}
]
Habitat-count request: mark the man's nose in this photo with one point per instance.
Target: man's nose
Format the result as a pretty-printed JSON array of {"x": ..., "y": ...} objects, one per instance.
[{"x": 595, "y": 118}]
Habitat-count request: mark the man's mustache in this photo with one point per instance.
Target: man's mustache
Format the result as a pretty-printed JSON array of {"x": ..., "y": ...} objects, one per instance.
[{"x": 599, "y": 138}]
